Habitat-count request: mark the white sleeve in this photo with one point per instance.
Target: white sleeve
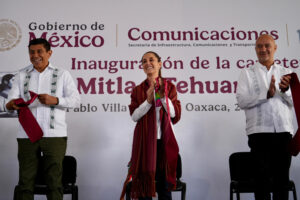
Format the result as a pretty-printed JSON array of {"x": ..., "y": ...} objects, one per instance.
[
  {"x": 246, "y": 97},
  {"x": 171, "y": 106},
  {"x": 286, "y": 96},
  {"x": 140, "y": 111},
  {"x": 71, "y": 97}
]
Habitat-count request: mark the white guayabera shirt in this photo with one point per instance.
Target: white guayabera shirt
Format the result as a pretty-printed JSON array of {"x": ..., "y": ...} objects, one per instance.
[
  {"x": 41, "y": 83},
  {"x": 262, "y": 114}
]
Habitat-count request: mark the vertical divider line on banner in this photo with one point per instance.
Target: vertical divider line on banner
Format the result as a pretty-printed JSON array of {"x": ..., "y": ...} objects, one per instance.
[{"x": 116, "y": 35}]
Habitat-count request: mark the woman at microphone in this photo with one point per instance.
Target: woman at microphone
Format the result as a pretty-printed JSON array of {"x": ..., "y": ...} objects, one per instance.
[{"x": 155, "y": 107}]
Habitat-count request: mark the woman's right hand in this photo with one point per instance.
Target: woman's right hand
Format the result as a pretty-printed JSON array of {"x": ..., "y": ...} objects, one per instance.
[{"x": 150, "y": 92}]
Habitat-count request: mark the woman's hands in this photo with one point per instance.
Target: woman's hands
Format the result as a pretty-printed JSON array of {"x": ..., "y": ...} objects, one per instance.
[{"x": 151, "y": 90}]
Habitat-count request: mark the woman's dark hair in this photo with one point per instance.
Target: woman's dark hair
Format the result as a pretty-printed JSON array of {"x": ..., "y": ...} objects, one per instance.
[
  {"x": 40, "y": 41},
  {"x": 5, "y": 81},
  {"x": 154, "y": 53},
  {"x": 158, "y": 59},
  {"x": 6, "y": 78}
]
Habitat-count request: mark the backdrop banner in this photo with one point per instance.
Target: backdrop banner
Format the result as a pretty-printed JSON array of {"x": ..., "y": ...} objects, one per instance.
[{"x": 204, "y": 45}]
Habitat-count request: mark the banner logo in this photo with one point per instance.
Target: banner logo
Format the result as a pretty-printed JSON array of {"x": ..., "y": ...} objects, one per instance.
[{"x": 10, "y": 34}]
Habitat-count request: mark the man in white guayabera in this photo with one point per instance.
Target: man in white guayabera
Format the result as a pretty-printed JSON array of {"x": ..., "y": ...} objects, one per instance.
[
  {"x": 263, "y": 93},
  {"x": 56, "y": 91}
]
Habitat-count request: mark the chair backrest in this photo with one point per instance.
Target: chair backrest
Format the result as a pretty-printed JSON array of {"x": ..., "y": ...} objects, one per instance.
[
  {"x": 241, "y": 166},
  {"x": 69, "y": 171},
  {"x": 179, "y": 167}
]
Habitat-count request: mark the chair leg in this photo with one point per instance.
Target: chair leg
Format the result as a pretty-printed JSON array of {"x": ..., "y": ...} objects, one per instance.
[
  {"x": 183, "y": 192},
  {"x": 75, "y": 193},
  {"x": 294, "y": 193},
  {"x": 16, "y": 193},
  {"x": 231, "y": 193},
  {"x": 237, "y": 195}
]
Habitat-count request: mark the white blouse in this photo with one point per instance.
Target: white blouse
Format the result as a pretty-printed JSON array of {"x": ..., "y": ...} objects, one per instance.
[{"x": 145, "y": 107}]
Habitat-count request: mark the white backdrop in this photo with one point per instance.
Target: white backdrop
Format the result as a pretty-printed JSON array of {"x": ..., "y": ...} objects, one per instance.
[{"x": 115, "y": 33}]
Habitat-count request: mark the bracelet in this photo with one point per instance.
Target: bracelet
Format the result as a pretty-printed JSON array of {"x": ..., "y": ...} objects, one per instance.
[{"x": 57, "y": 101}]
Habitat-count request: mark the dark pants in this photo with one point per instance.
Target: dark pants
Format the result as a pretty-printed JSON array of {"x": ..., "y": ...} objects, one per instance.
[
  {"x": 53, "y": 150},
  {"x": 160, "y": 177},
  {"x": 272, "y": 162}
]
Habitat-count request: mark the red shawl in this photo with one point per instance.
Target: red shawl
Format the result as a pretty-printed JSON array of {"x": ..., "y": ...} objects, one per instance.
[
  {"x": 143, "y": 158},
  {"x": 294, "y": 145},
  {"x": 27, "y": 120}
]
